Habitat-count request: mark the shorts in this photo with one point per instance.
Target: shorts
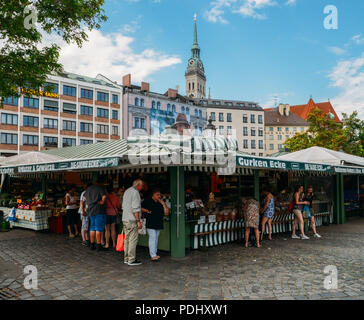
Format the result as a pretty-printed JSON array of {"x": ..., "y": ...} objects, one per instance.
[
  {"x": 71, "y": 217},
  {"x": 110, "y": 219},
  {"x": 98, "y": 223},
  {"x": 297, "y": 212},
  {"x": 85, "y": 222}
]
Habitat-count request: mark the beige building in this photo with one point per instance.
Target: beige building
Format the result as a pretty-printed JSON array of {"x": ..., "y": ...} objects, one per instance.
[
  {"x": 280, "y": 125},
  {"x": 246, "y": 118}
]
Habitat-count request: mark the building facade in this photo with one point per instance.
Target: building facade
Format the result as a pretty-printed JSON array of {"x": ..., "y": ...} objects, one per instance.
[
  {"x": 280, "y": 125},
  {"x": 70, "y": 110},
  {"x": 150, "y": 113},
  {"x": 241, "y": 118}
]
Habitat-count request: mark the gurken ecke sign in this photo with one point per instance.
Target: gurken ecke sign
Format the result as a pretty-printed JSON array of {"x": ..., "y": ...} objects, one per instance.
[
  {"x": 70, "y": 165},
  {"x": 262, "y": 163}
]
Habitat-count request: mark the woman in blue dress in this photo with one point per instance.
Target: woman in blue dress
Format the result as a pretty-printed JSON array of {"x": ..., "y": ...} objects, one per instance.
[{"x": 268, "y": 213}]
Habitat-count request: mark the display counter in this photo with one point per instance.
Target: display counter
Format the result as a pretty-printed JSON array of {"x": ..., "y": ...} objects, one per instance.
[{"x": 29, "y": 219}]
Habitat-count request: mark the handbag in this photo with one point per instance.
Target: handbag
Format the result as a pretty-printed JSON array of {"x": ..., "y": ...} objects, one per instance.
[
  {"x": 120, "y": 242},
  {"x": 143, "y": 230}
]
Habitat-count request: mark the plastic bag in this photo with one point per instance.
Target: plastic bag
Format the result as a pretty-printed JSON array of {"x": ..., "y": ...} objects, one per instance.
[
  {"x": 12, "y": 215},
  {"x": 143, "y": 230},
  {"x": 120, "y": 242}
]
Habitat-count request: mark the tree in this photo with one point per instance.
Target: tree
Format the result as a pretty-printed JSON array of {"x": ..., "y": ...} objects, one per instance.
[
  {"x": 24, "y": 63},
  {"x": 324, "y": 131},
  {"x": 354, "y": 131}
]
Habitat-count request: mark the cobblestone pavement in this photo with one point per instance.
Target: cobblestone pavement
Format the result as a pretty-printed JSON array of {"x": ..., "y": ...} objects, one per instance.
[{"x": 281, "y": 269}]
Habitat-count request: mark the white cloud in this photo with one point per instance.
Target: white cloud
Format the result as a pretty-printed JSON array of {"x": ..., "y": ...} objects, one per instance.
[
  {"x": 215, "y": 14},
  {"x": 112, "y": 56},
  {"x": 336, "y": 50},
  {"x": 250, "y": 8},
  {"x": 358, "y": 39},
  {"x": 290, "y": 2},
  {"x": 131, "y": 27},
  {"x": 348, "y": 76}
]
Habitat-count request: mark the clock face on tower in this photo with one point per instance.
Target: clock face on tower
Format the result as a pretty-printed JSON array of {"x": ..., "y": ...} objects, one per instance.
[{"x": 191, "y": 62}]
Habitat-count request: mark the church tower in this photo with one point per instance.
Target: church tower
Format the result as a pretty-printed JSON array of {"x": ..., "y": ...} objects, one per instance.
[{"x": 195, "y": 73}]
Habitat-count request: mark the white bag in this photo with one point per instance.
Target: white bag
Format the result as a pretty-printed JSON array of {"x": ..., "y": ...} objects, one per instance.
[{"x": 143, "y": 230}]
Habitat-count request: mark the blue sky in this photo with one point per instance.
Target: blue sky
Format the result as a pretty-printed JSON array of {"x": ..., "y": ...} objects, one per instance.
[{"x": 252, "y": 50}]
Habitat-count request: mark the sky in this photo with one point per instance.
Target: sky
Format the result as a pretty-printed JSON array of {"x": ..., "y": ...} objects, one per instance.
[{"x": 267, "y": 51}]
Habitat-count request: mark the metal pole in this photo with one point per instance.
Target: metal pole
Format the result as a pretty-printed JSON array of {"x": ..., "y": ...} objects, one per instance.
[{"x": 178, "y": 205}]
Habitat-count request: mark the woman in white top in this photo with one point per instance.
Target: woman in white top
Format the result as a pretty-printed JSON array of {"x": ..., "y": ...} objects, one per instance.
[{"x": 72, "y": 212}]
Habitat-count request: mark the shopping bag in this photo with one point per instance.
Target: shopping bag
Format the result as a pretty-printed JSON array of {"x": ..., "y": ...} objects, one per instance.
[
  {"x": 143, "y": 230},
  {"x": 120, "y": 242},
  {"x": 12, "y": 215}
]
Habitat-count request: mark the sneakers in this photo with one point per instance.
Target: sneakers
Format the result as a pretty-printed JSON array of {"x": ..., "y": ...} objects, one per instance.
[
  {"x": 84, "y": 243},
  {"x": 316, "y": 235},
  {"x": 135, "y": 263},
  {"x": 92, "y": 246},
  {"x": 99, "y": 247},
  {"x": 295, "y": 236},
  {"x": 126, "y": 262},
  {"x": 304, "y": 237}
]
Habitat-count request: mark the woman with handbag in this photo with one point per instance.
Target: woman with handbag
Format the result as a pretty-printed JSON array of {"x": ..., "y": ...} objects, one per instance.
[{"x": 112, "y": 208}]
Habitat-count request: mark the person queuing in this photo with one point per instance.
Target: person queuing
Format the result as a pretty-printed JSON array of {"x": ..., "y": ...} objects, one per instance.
[
  {"x": 251, "y": 219},
  {"x": 95, "y": 197},
  {"x": 268, "y": 213},
  {"x": 71, "y": 212},
  {"x": 131, "y": 221},
  {"x": 112, "y": 208},
  {"x": 298, "y": 206},
  {"x": 85, "y": 220},
  {"x": 307, "y": 209},
  {"x": 155, "y": 209}
]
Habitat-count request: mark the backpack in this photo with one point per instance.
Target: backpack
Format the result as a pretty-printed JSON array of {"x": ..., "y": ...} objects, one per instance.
[{"x": 290, "y": 208}]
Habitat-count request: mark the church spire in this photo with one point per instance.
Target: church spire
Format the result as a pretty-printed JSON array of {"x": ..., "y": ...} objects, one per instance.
[
  {"x": 195, "y": 48},
  {"x": 195, "y": 34}
]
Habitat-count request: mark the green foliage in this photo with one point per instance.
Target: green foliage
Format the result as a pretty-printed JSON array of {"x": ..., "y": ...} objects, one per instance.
[
  {"x": 325, "y": 132},
  {"x": 24, "y": 60}
]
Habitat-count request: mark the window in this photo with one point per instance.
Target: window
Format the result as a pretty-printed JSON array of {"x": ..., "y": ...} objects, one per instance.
[
  {"x": 260, "y": 154},
  {"x": 115, "y": 115},
  {"x": 221, "y": 116},
  {"x": 287, "y": 136},
  {"x": 51, "y": 105},
  {"x": 139, "y": 123},
  {"x": 142, "y": 103},
  {"x": 86, "y": 110},
  {"x": 13, "y": 101},
  {"x": 253, "y": 153},
  {"x": 87, "y": 94},
  {"x": 287, "y": 129},
  {"x": 10, "y": 119},
  {"x": 85, "y": 141},
  {"x": 9, "y": 138},
  {"x": 69, "y": 125},
  {"x": 252, "y": 118},
  {"x": 136, "y": 102},
  {"x": 229, "y": 130},
  {"x": 102, "y": 129},
  {"x": 30, "y": 121},
  {"x": 51, "y": 87},
  {"x": 85, "y": 127},
  {"x": 183, "y": 109},
  {"x": 69, "y": 108},
  {"x": 279, "y": 137},
  {"x": 252, "y": 142},
  {"x": 187, "y": 110},
  {"x": 158, "y": 105},
  {"x": 196, "y": 113},
  {"x": 294, "y": 129},
  {"x": 270, "y": 128},
  {"x": 252, "y": 132},
  {"x": 31, "y": 103},
  {"x": 50, "y": 141},
  {"x": 173, "y": 108},
  {"x": 102, "y": 113},
  {"x": 280, "y": 147},
  {"x": 260, "y": 133},
  {"x": 271, "y": 146},
  {"x": 260, "y": 118},
  {"x": 212, "y": 115},
  {"x": 29, "y": 140},
  {"x": 245, "y": 144},
  {"x": 68, "y": 142},
  {"x": 69, "y": 91},
  {"x": 221, "y": 130},
  {"x": 245, "y": 118},
  {"x": 302, "y": 129},
  {"x": 50, "y": 123},
  {"x": 169, "y": 107},
  {"x": 200, "y": 114},
  {"x": 102, "y": 96},
  {"x": 115, "y": 130},
  {"x": 271, "y": 137},
  {"x": 279, "y": 129},
  {"x": 245, "y": 131},
  {"x": 261, "y": 144},
  {"x": 115, "y": 99},
  {"x": 228, "y": 117},
  {"x": 153, "y": 104}
]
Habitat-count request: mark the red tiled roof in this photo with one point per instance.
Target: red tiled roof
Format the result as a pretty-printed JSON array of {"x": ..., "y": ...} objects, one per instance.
[{"x": 305, "y": 109}]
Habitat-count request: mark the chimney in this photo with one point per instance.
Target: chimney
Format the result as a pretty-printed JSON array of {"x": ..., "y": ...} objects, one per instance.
[
  {"x": 145, "y": 86},
  {"x": 127, "y": 80},
  {"x": 172, "y": 93}
]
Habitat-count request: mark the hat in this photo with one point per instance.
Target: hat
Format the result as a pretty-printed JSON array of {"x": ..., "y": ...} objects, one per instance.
[{"x": 181, "y": 119}]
